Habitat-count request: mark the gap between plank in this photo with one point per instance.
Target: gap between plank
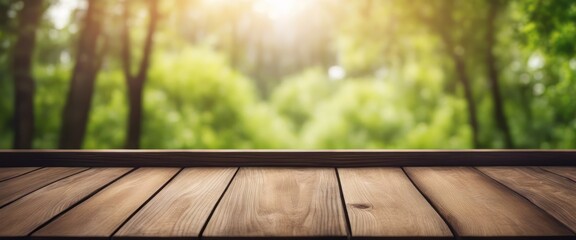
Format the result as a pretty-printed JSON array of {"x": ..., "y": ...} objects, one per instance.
[
  {"x": 557, "y": 174},
  {"x": 145, "y": 202},
  {"x": 522, "y": 196},
  {"x": 343, "y": 201},
  {"x": 22, "y": 174},
  {"x": 200, "y": 235},
  {"x": 452, "y": 230},
  {"x": 79, "y": 202},
  {"x": 24, "y": 195}
]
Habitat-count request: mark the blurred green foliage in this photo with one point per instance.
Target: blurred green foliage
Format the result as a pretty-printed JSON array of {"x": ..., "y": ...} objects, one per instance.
[{"x": 243, "y": 80}]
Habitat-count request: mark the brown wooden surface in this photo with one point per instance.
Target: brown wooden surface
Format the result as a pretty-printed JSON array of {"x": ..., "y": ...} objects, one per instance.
[
  {"x": 280, "y": 202},
  {"x": 283, "y": 158},
  {"x": 182, "y": 207},
  {"x": 23, "y": 216},
  {"x": 555, "y": 194},
  {"x": 299, "y": 203},
  {"x": 15, "y": 188},
  {"x": 567, "y": 172},
  {"x": 382, "y": 202},
  {"x": 103, "y": 213},
  {"x": 7, "y": 173},
  {"x": 477, "y": 206}
]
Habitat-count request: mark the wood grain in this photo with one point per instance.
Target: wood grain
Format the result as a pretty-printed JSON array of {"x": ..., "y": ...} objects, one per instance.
[
  {"x": 382, "y": 202},
  {"x": 283, "y": 158},
  {"x": 15, "y": 188},
  {"x": 477, "y": 206},
  {"x": 103, "y": 213},
  {"x": 7, "y": 173},
  {"x": 553, "y": 193},
  {"x": 23, "y": 216},
  {"x": 567, "y": 172},
  {"x": 280, "y": 202},
  {"x": 182, "y": 207}
]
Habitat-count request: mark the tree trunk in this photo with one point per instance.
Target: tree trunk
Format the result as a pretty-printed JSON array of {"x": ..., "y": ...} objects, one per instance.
[
  {"x": 441, "y": 25},
  {"x": 22, "y": 66},
  {"x": 493, "y": 76},
  {"x": 136, "y": 83},
  {"x": 88, "y": 62},
  {"x": 134, "y": 117},
  {"x": 461, "y": 72},
  {"x": 460, "y": 65}
]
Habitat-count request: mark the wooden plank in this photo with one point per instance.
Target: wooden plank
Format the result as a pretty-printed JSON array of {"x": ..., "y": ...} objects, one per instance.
[
  {"x": 102, "y": 214},
  {"x": 477, "y": 206},
  {"x": 280, "y": 202},
  {"x": 382, "y": 202},
  {"x": 23, "y": 216},
  {"x": 567, "y": 172},
  {"x": 182, "y": 207},
  {"x": 553, "y": 193},
  {"x": 271, "y": 158},
  {"x": 15, "y": 188},
  {"x": 7, "y": 173}
]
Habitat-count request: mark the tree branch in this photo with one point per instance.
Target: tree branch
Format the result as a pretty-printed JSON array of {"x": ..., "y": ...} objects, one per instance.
[
  {"x": 126, "y": 54},
  {"x": 145, "y": 63}
]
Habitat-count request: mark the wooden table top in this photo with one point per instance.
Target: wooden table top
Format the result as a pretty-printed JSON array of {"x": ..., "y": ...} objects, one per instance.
[{"x": 288, "y": 202}]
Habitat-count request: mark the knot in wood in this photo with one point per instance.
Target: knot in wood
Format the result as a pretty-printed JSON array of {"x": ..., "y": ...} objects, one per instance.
[{"x": 360, "y": 205}]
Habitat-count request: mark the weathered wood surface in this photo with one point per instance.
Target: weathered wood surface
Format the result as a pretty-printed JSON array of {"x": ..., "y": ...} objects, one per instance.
[
  {"x": 294, "y": 203},
  {"x": 103, "y": 213},
  {"x": 477, "y": 206},
  {"x": 270, "y": 158},
  {"x": 15, "y": 188},
  {"x": 182, "y": 208},
  {"x": 23, "y": 216},
  {"x": 7, "y": 173},
  {"x": 382, "y": 202},
  {"x": 567, "y": 172},
  {"x": 273, "y": 202},
  {"x": 555, "y": 194}
]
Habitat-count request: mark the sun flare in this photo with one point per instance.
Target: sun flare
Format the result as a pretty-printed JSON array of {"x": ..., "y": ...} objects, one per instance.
[{"x": 279, "y": 10}]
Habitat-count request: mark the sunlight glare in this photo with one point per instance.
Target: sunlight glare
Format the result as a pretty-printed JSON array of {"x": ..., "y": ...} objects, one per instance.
[
  {"x": 278, "y": 10},
  {"x": 336, "y": 73},
  {"x": 60, "y": 12}
]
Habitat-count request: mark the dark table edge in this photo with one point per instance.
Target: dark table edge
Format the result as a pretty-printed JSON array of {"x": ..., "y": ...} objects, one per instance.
[{"x": 284, "y": 158}]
